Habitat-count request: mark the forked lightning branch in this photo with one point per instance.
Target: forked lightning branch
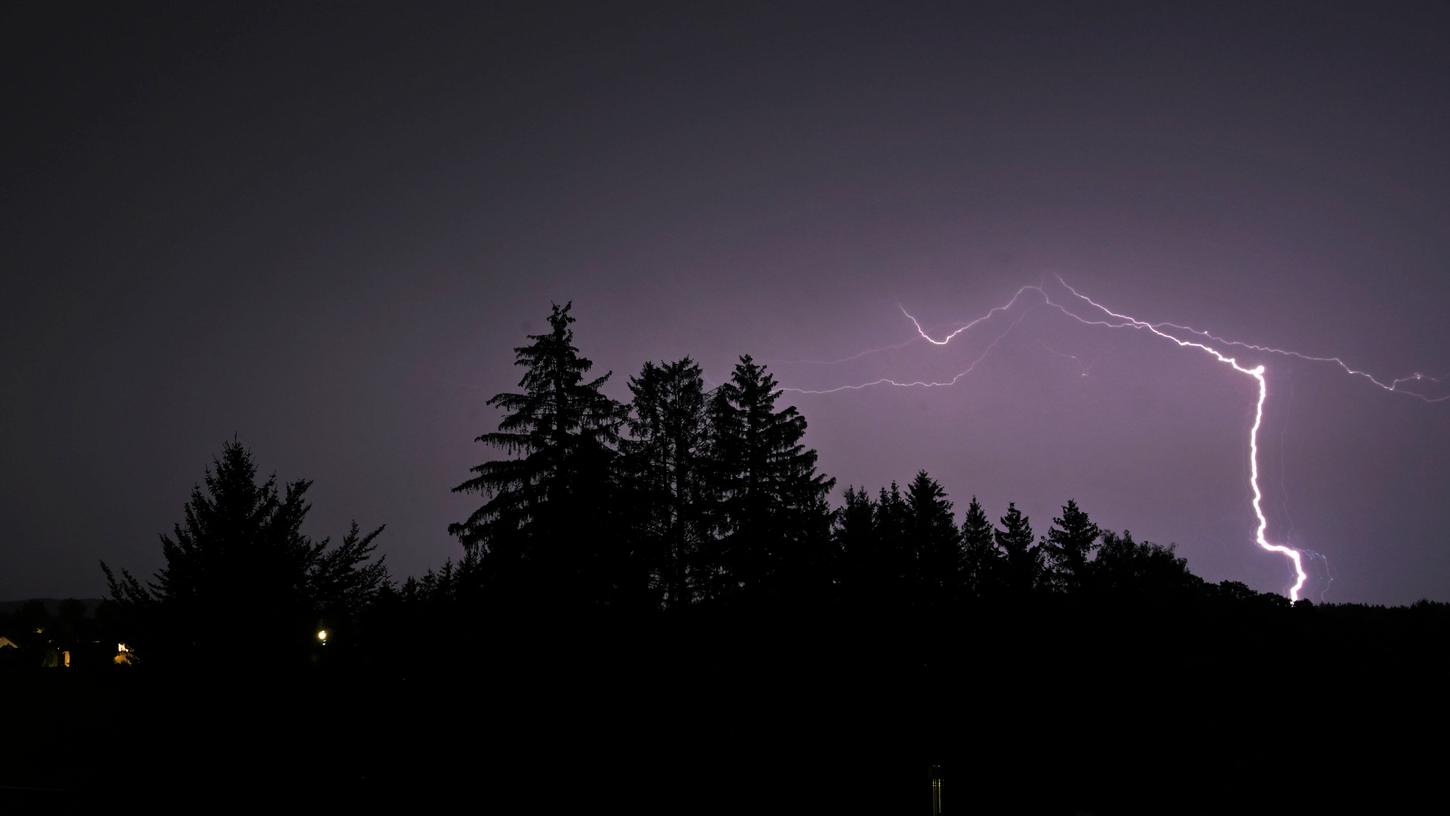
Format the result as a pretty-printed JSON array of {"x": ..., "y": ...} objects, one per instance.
[{"x": 1178, "y": 334}]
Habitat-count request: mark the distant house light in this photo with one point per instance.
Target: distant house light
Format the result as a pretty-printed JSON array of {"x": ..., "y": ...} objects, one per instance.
[{"x": 322, "y": 636}]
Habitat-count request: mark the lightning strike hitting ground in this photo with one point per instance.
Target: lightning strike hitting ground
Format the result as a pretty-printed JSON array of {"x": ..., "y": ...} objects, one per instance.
[
  {"x": 1257, "y": 372},
  {"x": 1166, "y": 331}
]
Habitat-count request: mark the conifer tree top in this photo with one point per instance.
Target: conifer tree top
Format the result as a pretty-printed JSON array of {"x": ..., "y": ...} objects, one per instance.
[{"x": 556, "y": 422}]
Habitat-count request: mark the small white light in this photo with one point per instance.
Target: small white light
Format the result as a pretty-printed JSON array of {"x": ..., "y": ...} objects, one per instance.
[{"x": 322, "y": 635}]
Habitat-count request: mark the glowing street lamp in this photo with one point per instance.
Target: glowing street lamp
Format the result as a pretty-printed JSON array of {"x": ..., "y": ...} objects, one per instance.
[{"x": 322, "y": 636}]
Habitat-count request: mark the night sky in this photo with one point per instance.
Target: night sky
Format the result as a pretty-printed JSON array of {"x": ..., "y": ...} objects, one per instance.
[{"x": 323, "y": 228}]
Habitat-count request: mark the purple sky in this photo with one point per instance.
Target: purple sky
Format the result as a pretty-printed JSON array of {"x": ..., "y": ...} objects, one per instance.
[{"x": 324, "y": 229}]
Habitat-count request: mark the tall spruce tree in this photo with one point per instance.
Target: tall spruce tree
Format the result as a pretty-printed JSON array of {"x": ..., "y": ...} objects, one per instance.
[
  {"x": 549, "y": 533},
  {"x": 981, "y": 559},
  {"x": 665, "y": 461},
  {"x": 1021, "y": 557},
  {"x": 935, "y": 545},
  {"x": 772, "y": 520},
  {"x": 1070, "y": 542}
]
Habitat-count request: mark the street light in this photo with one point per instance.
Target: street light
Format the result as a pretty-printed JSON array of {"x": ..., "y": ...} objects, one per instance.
[{"x": 322, "y": 636}]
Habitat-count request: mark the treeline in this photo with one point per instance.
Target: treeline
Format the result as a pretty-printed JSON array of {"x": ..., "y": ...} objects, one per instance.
[
  {"x": 686, "y": 506},
  {"x": 657, "y": 605},
  {"x": 688, "y": 497}
]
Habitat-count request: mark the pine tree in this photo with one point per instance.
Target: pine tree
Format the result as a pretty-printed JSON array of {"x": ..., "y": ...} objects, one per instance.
[
  {"x": 344, "y": 579},
  {"x": 772, "y": 520},
  {"x": 855, "y": 540},
  {"x": 548, "y": 532},
  {"x": 665, "y": 469},
  {"x": 981, "y": 560},
  {"x": 239, "y": 570},
  {"x": 893, "y": 546},
  {"x": 935, "y": 545},
  {"x": 1070, "y": 543},
  {"x": 1021, "y": 557}
]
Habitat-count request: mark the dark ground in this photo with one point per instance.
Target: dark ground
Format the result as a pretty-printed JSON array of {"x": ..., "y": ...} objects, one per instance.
[{"x": 814, "y": 724}]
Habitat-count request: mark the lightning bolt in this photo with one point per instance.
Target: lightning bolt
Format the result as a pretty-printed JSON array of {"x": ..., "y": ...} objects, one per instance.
[
  {"x": 916, "y": 383},
  {"x": 1257, "y": 372},
  {"x": 1392, "y": 386},
  {"x": 1328, "y": 573},
  {"x": 921, "y": 335},
  {"x": 991, "y": 313},
  {"x": 1171, "y": 332}
]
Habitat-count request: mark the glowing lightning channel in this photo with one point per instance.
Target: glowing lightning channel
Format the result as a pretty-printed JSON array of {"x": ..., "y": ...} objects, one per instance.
[
  {"x": 920, "y": 335},
  {"x": 991, "y": 313},
  {"x": 1124, "y": 321},
  {"x": 1257, "y": 372},
  {"x": 1392, "y": 386},
  {"x": 917, "y": 383}
]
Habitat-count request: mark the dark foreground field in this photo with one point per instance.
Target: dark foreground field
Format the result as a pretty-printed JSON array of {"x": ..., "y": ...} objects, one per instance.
[{"x": 806, "y": 724}]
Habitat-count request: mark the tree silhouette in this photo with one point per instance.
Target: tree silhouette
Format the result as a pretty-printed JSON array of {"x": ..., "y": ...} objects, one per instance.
[
  {"x": 241, "y": 581},
  {"x": 936, "y": 554},
  {"x": 1127, "y": 568},
  {"x": 1070, "y": 541},
  {"x": 981, "y": 559},
  {"x": 862, "y": 561},
  {"x": 664, "y": 465},
  {"x": 549, "y": 529},
  {"x": 894, "y": 547},
  {"x": 1022, "y": 559},
  {"x": 343, "y": 580},
  {"x": 772, "y": 519}
]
